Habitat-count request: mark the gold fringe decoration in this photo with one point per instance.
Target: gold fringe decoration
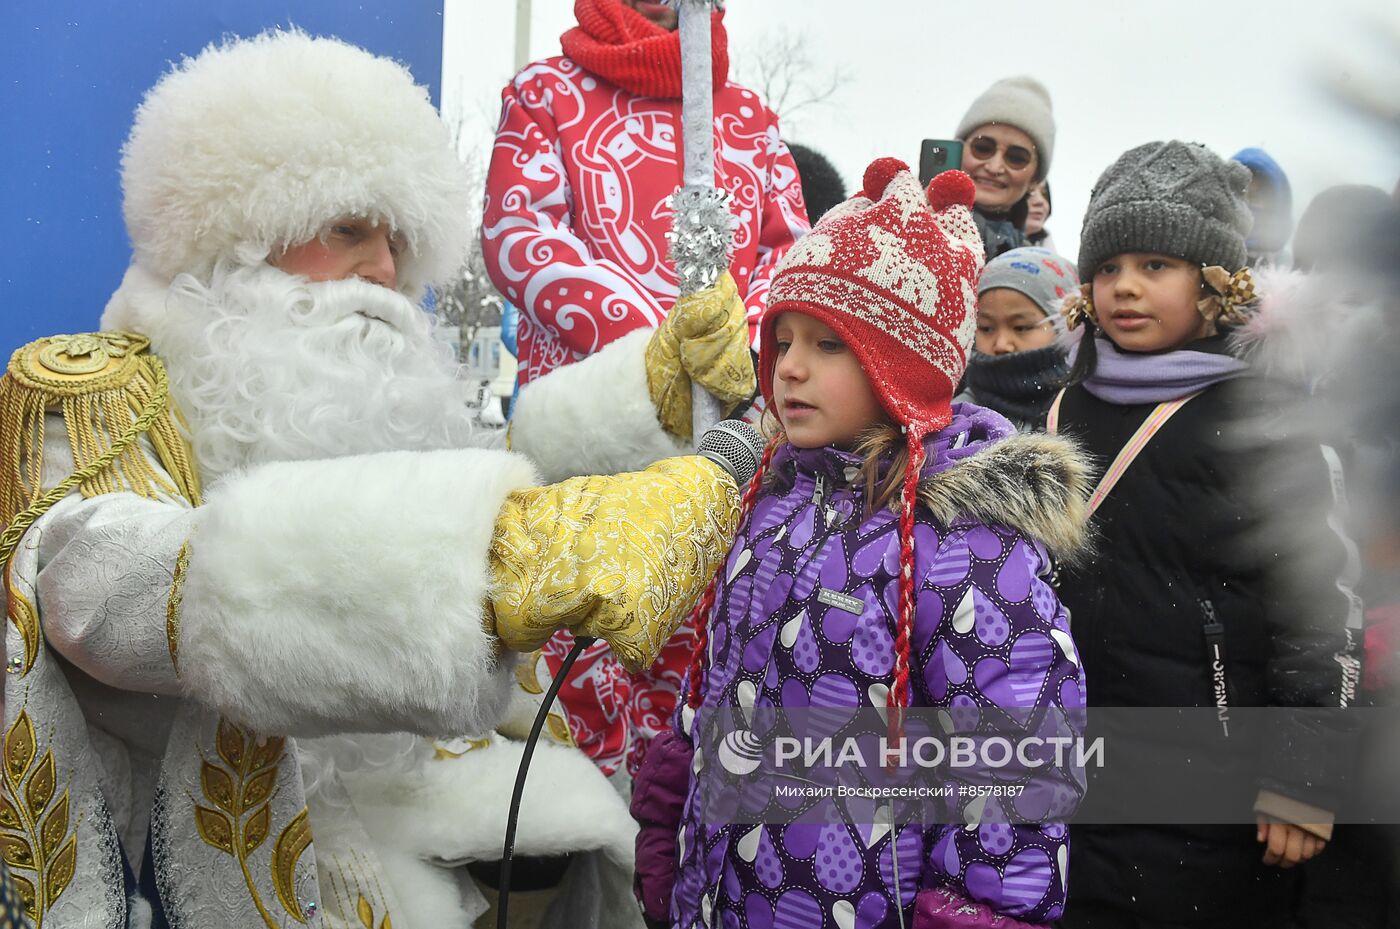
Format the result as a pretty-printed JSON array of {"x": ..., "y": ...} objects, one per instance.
[{"x": 110, "y": 392}]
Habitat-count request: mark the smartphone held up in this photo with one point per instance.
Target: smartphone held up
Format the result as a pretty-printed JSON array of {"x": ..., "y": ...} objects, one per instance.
[{"x": 937, "y": 156}]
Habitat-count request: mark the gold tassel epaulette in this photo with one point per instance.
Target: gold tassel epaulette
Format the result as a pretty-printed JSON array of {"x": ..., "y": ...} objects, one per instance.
[{"x": 110, "y": 391}]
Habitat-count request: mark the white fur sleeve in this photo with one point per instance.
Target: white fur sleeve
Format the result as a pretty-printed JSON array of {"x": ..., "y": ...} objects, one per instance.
[
  {"x": 594, "y": 416},
  {"x": 346, "y": 595}
]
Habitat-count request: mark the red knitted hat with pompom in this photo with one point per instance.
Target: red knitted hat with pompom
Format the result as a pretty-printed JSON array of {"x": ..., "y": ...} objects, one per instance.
[{"x": 893, "y": 271}]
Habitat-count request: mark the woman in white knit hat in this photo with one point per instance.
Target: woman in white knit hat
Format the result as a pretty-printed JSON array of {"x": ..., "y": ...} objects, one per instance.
[{"x": 1008, "y": 136}]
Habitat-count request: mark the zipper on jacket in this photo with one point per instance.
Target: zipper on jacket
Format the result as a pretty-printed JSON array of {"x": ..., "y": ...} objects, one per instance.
[
  {"x": 1213, "y": 631},
  {"x": 830, "y": 515}
]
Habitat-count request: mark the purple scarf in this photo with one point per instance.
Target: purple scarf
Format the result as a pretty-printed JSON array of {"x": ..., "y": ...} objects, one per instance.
[{"x": 1131, "y": 377}]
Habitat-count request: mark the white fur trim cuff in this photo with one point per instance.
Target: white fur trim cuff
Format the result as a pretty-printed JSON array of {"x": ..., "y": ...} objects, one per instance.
[
  {"x": 346, "y": 595},
  {"x": 594, "y": 416}
]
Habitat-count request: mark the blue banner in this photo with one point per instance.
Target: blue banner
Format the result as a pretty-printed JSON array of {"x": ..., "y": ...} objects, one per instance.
[{"x": 73, "y": 75}]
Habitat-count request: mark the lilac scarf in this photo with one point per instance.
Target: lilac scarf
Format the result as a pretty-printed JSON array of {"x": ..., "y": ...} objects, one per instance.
[{"x": 1131, "y": 377}]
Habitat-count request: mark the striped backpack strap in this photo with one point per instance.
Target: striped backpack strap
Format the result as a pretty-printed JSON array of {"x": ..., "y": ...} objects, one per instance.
[
  {"x": 1154, "y": 421},
  {"x": 1052, "y": 419}
]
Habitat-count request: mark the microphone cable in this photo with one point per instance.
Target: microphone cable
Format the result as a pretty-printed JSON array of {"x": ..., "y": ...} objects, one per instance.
[
  {"x": 737, "y": 448},
  {"x": 508, "y": 852}
]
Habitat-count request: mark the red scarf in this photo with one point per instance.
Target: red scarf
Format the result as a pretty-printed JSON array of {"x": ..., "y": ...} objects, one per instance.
[{"x": 622, "y": 46}]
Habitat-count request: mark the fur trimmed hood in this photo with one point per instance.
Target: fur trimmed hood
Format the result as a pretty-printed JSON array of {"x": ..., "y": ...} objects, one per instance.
[
  {"x": 1034, "y": 483},
  {"x": 259, "y": 143},
  {"x": 977, "y": 469},
  {"x": 1307, "y": 327}
]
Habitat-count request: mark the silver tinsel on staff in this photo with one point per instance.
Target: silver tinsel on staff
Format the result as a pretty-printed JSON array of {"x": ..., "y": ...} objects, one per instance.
[
  {"x": 700, "y": 235},
  {"x": 703, "y": 227}
]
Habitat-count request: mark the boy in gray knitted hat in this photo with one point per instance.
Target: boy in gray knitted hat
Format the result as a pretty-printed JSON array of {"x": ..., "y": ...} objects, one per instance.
[
  {"x": 1208, "y": 594},
  {"x": 1016, "y": 366}
]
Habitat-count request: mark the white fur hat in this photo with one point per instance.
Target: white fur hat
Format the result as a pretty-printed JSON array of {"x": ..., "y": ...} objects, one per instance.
[
  {"x": 1021, "y": 102},
  {"x": 257, "y": 144}
]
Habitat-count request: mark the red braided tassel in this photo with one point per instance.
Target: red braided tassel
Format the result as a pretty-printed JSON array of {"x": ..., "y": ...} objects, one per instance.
[
  {"x": 700, "y": 619},
  {"x": 898, "y": 697}
]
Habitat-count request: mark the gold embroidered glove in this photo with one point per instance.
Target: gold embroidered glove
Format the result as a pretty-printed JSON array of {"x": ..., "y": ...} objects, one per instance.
[
  {"x": 623, "y": 558},
  {"x": 705, "y": 339}
]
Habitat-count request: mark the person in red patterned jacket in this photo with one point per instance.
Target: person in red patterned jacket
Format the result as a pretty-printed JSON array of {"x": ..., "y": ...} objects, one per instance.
[
  {"x": 587, "y": 152},
  {"x": 574, "y": 234}
]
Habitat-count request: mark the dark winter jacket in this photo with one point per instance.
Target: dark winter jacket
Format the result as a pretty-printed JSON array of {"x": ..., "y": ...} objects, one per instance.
[
  {"x": 1000, "y": 233},
  {"x": 1187, "y": 536},
  {"x": 988, "y": 631}
]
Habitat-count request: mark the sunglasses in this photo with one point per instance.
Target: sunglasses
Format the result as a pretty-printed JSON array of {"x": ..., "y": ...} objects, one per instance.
[{"x": 1017, "y": 157}]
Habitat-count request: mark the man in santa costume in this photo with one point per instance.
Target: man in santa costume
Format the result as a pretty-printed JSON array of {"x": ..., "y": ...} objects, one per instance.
[
  {"x": 263, "y": 597},
  {"x": 574, "y": 233}
]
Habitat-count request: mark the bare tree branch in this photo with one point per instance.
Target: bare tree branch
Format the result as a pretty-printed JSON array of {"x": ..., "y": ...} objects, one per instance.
[{"x": 778, "y": 64}]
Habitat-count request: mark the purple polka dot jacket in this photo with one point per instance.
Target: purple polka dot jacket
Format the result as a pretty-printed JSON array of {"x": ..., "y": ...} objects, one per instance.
[{"x": 995, "y": 507}]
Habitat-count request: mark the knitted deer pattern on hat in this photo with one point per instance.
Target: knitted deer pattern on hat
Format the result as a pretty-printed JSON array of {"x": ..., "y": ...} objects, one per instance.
[{"x": 893, "y": 271}]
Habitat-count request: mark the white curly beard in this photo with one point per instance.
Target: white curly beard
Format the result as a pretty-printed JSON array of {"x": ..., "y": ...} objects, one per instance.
[{"x": 267, "y": 367}]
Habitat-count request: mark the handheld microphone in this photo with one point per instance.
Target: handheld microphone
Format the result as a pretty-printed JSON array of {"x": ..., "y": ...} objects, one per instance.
[{"x": 736, "y": 447}]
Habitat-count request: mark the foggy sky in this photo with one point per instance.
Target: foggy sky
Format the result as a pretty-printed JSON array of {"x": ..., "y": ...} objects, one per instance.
[{"x": 1227, "y": 73}]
